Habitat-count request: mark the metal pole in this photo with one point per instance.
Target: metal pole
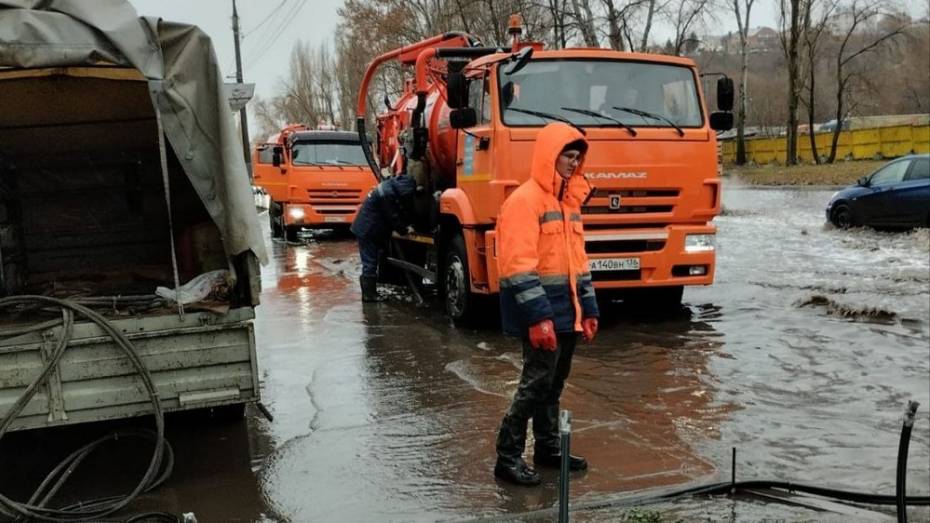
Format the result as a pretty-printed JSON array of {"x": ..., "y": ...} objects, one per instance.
[
  {"x": 565, "y": 444},
  {"x": 243, "y": 114}
]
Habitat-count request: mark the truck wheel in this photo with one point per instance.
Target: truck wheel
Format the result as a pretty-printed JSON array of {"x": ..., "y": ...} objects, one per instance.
[
  {"x": 291, "y": 233},
  {"x": 456, "y": 282},
  {"x": 275, "y": 212}
]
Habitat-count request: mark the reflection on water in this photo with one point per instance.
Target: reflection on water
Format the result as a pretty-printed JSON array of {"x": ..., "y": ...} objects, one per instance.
[
  {"x": 394, "y": 400},
  {"x": 802, "y": 355}
]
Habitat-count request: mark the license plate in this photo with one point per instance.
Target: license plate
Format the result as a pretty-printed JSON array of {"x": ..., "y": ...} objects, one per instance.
[
  {"x": 338, "y": 219},
  {"x": 613, "y": 264}
]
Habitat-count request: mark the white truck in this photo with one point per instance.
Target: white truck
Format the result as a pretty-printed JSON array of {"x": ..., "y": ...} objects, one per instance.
[{"x": 121, "y": 172}]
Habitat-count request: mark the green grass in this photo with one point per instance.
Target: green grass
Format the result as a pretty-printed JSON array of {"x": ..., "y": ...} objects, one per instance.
[{"x": 839, "y": 173}]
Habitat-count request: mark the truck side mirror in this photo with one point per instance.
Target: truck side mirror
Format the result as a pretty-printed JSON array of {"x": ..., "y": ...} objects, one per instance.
[
  {"x": 463, "y": 118},
  {"x": 725, "y": 92},
  {"x": 721, "y": 121},
  {"x": 276, "y": 154},
  {"x": 456, "y": 88}
]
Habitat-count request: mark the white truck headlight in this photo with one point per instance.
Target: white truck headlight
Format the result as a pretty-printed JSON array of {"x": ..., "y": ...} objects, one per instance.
[
  {"x": 296, "y": 213},
  {"x": 700, "y": 242}
]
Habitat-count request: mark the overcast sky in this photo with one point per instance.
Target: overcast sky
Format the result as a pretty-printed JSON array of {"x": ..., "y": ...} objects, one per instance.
[{"x": 266, "y": 49}]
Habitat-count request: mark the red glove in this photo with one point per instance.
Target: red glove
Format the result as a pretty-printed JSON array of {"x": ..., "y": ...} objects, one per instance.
[
  {"x": 542, "y": 335},
  {"x": 589, "y": 328}
]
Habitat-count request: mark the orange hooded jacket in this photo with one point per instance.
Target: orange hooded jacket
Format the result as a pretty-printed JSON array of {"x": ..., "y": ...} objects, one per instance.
[{"x": 540, "y": 244}]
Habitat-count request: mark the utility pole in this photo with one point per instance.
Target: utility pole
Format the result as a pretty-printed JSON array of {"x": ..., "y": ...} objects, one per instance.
[{"x": 243, "y": 115}]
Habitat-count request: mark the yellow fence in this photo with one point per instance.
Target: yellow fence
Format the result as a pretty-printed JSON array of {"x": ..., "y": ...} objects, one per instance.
[{"x": 860, "y": 144}]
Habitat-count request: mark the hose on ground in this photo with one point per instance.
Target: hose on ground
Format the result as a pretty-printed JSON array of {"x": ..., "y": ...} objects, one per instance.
[
  {"x": 901, "y": 482},
  {"x": 162, "y": 459},
  {"x": 900, "y": 500}
]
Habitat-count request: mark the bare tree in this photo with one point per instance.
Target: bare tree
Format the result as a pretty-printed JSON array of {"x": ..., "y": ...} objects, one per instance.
[
  {"x": 743, "y": 27},
  {"x": 584, "y": 17},
  {"x": 812, "y": 39},
  {"x": 685, "y": 16},
  {"x": 790, "y": 21},
  {"x": 647, "y": 27},
  {"x": 857, "y": 15}
]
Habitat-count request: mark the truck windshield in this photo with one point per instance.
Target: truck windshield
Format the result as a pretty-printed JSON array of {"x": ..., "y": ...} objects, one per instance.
[
  {"x": 328, "y": 153},
  {"x": 600, "y": 86}
]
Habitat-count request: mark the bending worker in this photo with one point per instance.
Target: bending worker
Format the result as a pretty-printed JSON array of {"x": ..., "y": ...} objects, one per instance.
[
  {"x": 388, "y": 207},
  {"x": 547, "y": 297}
]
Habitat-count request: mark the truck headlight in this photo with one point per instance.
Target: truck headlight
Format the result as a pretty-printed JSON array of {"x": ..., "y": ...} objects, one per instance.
[
  {"x": 296, "y": 213},
  {"x": 700, "y": 242}
]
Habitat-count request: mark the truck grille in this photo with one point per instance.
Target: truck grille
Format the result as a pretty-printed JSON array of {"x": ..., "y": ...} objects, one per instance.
[
  {"x": 626, "y": 209},
  {"x": 623, "y": 246},
  {"x": 615, "y": 275},
  {"x": 334, "y": 196},
  {"x": 633, "y": 201}
]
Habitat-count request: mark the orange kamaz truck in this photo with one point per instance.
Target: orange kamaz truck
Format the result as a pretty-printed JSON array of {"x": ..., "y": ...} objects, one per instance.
[
  {"x": 465, "y": 127},
  {"x": 316, "y": 179}
]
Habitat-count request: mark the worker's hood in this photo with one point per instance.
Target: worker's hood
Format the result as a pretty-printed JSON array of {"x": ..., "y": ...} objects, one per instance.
[
  {"x": 549, "y": 144},
  {"x": 184, "y": 80}
]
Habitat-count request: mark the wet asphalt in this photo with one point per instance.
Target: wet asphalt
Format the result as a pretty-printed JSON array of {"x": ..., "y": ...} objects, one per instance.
[{"x": 802, "y": 356}]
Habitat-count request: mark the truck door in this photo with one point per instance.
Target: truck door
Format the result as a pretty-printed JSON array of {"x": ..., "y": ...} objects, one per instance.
[{"x": 474, "y": 165}]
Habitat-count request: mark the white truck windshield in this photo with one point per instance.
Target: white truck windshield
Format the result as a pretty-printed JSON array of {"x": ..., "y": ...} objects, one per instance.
[
  {"x": 637, "y": 93},
  {"x": 327, "y": 153}
]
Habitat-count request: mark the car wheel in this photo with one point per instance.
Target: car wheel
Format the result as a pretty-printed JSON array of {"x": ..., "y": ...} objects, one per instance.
[{"x": 841, "y": 217}]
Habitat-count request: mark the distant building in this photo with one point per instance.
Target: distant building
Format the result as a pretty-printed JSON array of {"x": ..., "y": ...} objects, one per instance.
[{"x": 759, "y": 40}]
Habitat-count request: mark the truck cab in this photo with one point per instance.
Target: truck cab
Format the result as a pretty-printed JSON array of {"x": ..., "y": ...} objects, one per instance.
[
  {"x": 316, "y": 179},
  {"x": 465, "y": 126}
]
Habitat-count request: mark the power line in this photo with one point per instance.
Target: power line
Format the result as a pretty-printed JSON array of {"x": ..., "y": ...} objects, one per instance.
[
  {"x": 290, "y": 17},
  {"x": 268, "y": 31},
  {"x": 270, "y": 14}
]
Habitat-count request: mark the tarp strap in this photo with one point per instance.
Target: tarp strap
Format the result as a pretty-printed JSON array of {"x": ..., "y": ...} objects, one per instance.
[{"x": 163, "y": 157}]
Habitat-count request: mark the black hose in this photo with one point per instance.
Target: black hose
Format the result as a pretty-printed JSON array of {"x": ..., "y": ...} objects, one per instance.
[
  {"x": 162, "y": 458},
  {"x": 901, "y": 482}
]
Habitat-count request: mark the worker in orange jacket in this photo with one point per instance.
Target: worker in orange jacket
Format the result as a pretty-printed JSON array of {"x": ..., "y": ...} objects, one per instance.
[{"x": 547, "y": 297}]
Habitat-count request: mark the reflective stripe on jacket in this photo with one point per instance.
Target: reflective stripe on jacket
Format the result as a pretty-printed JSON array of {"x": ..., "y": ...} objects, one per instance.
[{"x": 541, "y": 260}]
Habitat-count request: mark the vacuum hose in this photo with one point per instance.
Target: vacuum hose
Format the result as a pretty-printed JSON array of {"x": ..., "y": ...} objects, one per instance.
[
  {"x": 162, "y": 460},
  {"x": 901, "y": 483}
]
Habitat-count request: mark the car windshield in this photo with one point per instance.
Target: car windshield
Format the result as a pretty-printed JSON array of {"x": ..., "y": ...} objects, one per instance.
[
  {"x": 327, "y": 153},
  {"x": 659, "y": 94}
]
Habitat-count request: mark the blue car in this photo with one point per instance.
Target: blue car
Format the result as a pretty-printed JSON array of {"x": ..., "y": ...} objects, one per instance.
[{"x": 897, "y": 196}]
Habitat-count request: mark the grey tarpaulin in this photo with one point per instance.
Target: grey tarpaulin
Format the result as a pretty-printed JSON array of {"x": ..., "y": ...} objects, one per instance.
[{"x": 179, "y": 62}]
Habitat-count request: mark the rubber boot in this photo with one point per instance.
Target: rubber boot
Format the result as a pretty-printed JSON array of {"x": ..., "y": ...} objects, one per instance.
[
  {"x": 369, "y": 285},
  {"x": 547, "y": 450},
  {"x": 511, "y": 440}
]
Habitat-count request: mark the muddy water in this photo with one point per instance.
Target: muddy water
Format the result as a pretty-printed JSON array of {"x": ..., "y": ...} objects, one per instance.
[{"x": 801, "y": 355}]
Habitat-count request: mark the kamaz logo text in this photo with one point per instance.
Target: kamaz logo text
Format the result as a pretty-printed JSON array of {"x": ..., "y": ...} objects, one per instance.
[{"x": 615, "y": 176}]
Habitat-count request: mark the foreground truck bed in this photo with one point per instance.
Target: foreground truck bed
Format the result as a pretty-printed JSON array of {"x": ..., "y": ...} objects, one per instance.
[{"x": 204, "y": 360}]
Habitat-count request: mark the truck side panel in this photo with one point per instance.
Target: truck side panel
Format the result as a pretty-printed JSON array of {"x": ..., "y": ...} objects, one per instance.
[{"x": 205, "y": 360}]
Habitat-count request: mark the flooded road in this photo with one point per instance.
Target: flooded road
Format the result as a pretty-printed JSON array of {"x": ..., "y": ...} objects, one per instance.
[{"x": 802, "y": 355}]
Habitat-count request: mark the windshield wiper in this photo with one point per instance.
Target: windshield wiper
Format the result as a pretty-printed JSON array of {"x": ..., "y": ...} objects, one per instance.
[
  {"x": 596, "y": 114},
  {"x": 540, "y": 114},
  {"x": 654, "y": 116}
]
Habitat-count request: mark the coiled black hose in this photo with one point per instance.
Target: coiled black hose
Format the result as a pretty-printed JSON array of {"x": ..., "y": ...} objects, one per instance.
[{"x": 162, "y": 460}]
